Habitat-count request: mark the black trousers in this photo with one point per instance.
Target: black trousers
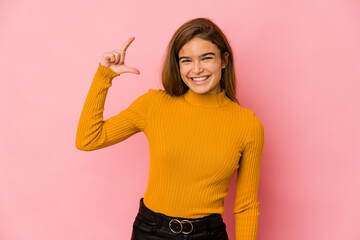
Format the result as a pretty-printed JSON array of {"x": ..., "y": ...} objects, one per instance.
[{"x": 150, "y": 225}]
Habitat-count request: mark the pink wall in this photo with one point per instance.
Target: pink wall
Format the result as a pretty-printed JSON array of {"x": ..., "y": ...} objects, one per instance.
[{"x": 298, "y": 64}]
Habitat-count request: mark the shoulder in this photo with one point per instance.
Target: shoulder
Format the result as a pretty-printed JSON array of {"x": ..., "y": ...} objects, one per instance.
[
  {"x": 160, "y": 94},
  {"x": 155, "y": 92},
  {"x": 155, "y": 96},
  {"x": 242, "y": 112},
  {"x": 255, "y": 125},
  {"x": 253, "y": 119},
  {"x": 146, "y": 98},
  {"x": 247, "y": 116},
  {"x": 151, "y": 93}
]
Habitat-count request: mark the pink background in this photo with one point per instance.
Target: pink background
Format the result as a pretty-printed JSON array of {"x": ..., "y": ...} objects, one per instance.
[{"x": 298, "y": 66}]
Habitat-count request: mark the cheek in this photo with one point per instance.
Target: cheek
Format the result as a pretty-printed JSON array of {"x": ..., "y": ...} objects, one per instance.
[
  {"x": 214, "y": 68},
  {"x": 184, "y": 71}
]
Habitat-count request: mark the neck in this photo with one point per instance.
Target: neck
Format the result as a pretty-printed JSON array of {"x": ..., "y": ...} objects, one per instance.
[{"x": 206, "y": 100}]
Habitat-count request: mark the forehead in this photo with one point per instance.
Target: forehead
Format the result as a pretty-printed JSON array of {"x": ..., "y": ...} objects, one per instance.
[{"x": 198, "y": 46}]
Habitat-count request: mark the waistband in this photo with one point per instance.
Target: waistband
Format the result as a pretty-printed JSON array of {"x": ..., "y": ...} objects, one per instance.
[{"x": 179, "y": 225}]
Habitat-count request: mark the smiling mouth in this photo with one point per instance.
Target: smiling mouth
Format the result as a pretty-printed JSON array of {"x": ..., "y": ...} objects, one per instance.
[{"x": 199, "y": 79}]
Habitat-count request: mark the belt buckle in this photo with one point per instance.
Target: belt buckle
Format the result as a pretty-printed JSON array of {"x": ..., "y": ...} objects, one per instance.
[
  {"x": 192, "y": 226},
  {"x": 181, "y": 229}
]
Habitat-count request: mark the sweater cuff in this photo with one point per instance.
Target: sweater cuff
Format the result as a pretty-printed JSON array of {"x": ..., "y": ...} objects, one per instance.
[
  {"x": 106, "y": 72},
  {"x": 246, "y": 225}
]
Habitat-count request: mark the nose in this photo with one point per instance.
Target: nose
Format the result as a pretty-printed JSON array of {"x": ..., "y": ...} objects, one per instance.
[{"x": 197, "y": 67}]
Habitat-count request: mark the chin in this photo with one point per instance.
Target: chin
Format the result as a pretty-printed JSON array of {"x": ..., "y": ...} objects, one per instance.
[{"x": 200, "y": 90}]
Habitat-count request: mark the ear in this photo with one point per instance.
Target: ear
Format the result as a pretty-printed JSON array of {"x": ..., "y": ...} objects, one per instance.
[{"x": 225, "y": 60}]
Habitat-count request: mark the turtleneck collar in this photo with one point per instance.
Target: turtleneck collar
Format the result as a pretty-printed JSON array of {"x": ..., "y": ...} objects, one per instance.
[{"x": 206, "y": 100}]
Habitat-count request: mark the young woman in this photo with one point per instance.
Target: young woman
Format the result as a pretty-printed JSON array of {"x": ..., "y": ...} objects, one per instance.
[{"x": 198, "y": 134}]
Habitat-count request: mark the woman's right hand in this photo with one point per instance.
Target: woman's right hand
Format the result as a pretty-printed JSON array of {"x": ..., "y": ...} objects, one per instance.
[{"x": 115, "y": 60}]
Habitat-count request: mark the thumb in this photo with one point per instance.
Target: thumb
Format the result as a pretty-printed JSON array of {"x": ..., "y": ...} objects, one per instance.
[{"x": 132, "y": 70}]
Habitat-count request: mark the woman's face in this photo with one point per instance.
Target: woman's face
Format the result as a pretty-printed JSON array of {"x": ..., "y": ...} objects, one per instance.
[{"x": 200, "y": 66}]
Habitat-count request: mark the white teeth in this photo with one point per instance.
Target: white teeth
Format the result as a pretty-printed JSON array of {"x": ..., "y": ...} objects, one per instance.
[{"x": 199, "y": 79}]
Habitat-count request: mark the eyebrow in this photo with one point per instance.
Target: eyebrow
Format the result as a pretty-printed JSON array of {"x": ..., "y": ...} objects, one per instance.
[{"x": 202, "y": 55}]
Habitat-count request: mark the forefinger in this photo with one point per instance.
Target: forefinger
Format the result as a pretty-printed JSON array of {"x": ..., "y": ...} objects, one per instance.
[{"x": 127, "y": 43}]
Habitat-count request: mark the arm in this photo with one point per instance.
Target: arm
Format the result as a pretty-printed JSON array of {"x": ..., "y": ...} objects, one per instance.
[
  {"x": 246, "y": 206},
  {"x": 94, "y": 133}
]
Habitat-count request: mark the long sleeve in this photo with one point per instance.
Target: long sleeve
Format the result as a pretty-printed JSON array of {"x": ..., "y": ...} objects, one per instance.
[
  {"x": 93, "y": 132},
  {"x": 246, "y": 206}
]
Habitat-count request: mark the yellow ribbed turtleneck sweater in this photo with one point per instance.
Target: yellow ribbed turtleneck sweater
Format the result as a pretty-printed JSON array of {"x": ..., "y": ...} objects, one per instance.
[{"x": 196, "y": 143}]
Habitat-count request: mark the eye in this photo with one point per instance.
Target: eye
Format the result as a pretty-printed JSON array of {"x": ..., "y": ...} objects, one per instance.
[
  {"x": 206, "y": 58},
  {"x": 184, "y": 61}
]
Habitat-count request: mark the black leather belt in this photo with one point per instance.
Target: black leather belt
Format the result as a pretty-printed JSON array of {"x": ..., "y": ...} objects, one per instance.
[{"x": 179, "y": 225}]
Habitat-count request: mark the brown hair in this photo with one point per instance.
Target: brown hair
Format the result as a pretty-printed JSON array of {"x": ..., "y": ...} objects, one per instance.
[{"x": 205, "y": 29}]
